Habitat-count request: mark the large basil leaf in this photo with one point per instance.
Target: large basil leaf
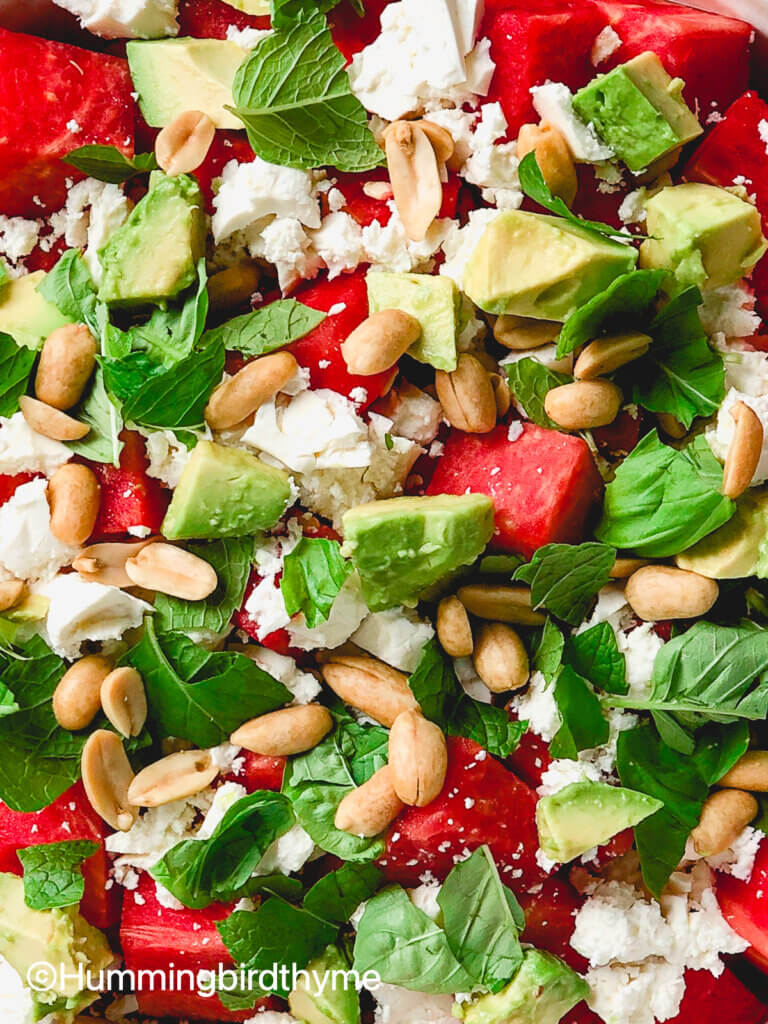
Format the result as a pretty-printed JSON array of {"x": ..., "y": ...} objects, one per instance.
[
  {"x": 313, "y": 574},
  {"x": 16, "y": 362},
  {"x": 268, "y": 328}
]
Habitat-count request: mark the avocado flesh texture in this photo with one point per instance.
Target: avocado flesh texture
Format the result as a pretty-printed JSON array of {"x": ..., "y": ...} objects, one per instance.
[
  {"x": 705, "y": 234},
  {"x": 225, "y": 492},
  {"x": 638, "y": 110},
  {"x": 434, "y": 302},
  {"x": 543, "y": 991},
  {"x": 172, "y": 76},
  {"x": 402, "y": 546},
  {"x": 335, "y": 1004},
  {"x": 258, "y": 7},
  {"x": 531, "y": 264},
  {"x": 154, "y": 255},
  {"x": 25, "y": 314},
  {"x": 587, "y": 814},
  {"x": 737, "y": 549}
]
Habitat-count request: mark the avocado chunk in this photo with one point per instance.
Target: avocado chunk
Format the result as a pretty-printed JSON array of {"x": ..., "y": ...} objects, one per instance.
[
  {"x": 705, "y": 234},
  {"x": 325, "y": 993},
  {"x": 402, "y": 546},
  {"x": 542, "y": 992},
  {"x": 58, "y": 937},
  {"x": 154, "y": 255},
  {"x": 258, "y": 7},
  {"x": 737, "y": 549},
  {"x": 587, "y": 814},
  {"x": 225, "y": 492},
  {"x": 434, "y": 301},
  {"x": 531, "y": 264},
  {"x": 638, "y": 110},
  {"x": 25, "y": 314},
  {"x": 175, "y": 75}
]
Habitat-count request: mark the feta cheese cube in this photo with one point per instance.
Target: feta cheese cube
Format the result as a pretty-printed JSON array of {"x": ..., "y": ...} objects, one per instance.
[
  {"x": 23, "y": 450},
  {"x": 553, "y": 102},
  {"x": 125, "y": 19},
  {"x": 396, "y": 636},
  {"x": 28, "y": 549},
  {"x": 251, "y": 191}
]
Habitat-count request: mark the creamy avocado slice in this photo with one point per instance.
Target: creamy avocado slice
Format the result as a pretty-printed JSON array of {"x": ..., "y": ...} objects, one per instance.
[
  {"x": 323, "y": 997},
  {"x": 154, "y": 255},
  {"x": 705, "y": 234},
  {"x": 225, "y": 492},
  {"x": 434, "y": 301},
  {"x": 542, "y": 992},
  {"x": 736, "y": 550},
  {"x": 532, "y": 264},
  {"x": 402, "y": 546},
  {"x": 587, "y": 814},
  {"x": 175, "y": 75},
  {"x": 25, "y": 314}
]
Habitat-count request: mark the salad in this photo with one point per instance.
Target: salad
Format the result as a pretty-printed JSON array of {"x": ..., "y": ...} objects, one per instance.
[{"x": 383, "y": 513}]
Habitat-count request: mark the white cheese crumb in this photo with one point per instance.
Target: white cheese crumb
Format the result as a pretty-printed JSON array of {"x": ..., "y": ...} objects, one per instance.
[
  {"x": 396, "y": 636},
  {"x": 606, "y": 43},
  {"x": 22, "y": 449},
  {"x": 553, "y": 102},
  {"x": 28, "y": 549}
]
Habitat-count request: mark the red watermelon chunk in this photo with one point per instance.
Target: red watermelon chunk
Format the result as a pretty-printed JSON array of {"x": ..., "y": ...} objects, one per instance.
[
  {"x": 530, "y": 759},
  {"x": 128, "y": 496},
  {"x": 711, "y": 1000},
  {"x": 54, "y": 98},
  {"x": 210, "y": 19},
  {"x": 544, "y": 485},
  {"x": 481, "y": 802},
  {"x": 10, "y": 482},
  {"x": 261, "y": 772},
  {"x": 550, "y": 913},
  {"x": 69, "y": 817},
  {"x": 745, "y": 907},
  {"x": 350, "y": 32}
]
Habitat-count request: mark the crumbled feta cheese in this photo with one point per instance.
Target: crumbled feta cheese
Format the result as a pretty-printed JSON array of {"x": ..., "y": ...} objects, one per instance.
[
  {"x": 285, "y": 243},
  {"x": 461, "y": 242},
  {"x": 23, "y": 450},
  {"x": 225, "y": 797},
  {"x": 272, "y": 1017},
  {"x": 492, "y": 166},
  {"x": 564, "y": 772},
  {"x": 729, "y": 311},
  {"x": 538, "y": 707},
  {"x": 250, "y": 192},
  {"x": 16, "y": 1003},
  {"x": 166, "y": 898},
  {"x": 339, "y": 243},
  {"x": 28, "y": 549},
  {"x": 416, "y": 415},
  {"x": 18, "y": 237},
  {"x": 125, "y": 19},
  {"x": 606, "y": 43},
  {"x": 266, "y": 606},
  {"x": 303, "y": 685},
  {"x": 167, "y": 456},
  {"x": 721, "y": 435},
  {"x": 459, "y": 124},
  {"x": 387, "y": 247},
  {"x": 93, "y": 212},
  {"x": 762, "y": 130},
  {"x": 739, "y": 859},
  {"x": 515, "y": 430},
  {"x": 425, "y": 898},
  {"x": 746, "y": 371},
  {"x": 395, "y": 1005},
  {"x": 290, "y": 852},
  {"x": 553, "y": 102},
  {"x": 396, "y": 636},
  {"x": 157, "y": 830},
  {"x": 347, "y": 612},
  {"x": 632, "y": 209},
  {"x": 247, "y": 38}
]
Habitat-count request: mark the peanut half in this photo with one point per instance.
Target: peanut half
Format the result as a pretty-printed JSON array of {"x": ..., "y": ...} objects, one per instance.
[
  {"x": 233, "y": 286},
  {"x": 379, "y": 341},
  {"x": 605, "y": 355},
  {"x": 285, "y": 732},
  {"x": 105, "y": 563},
  {"x": 74, "y": 496},
  {"x": 724, "y": 816},
  {"x": 624, "y": 567},
  {"x": 171, "y": 570},
  {"x": 502, "y": 604},
  {"x": 241, "y": 395},
  {"x": 662, "y": 592},
  {"x": 453, "y": 629},
  {"x": 584, "y": 404},
  {"x": 500, "y": 658},
  {"x": 107, "y": 776},
  {"x": 744, "y": 450},
  {"x": 67, "y": 361},
  {"x": 553, "y": 157},
  {"x": 418, "y": 758},
  {"x": 183, "y": 144},
  {"x": 370, "y": 686},
  {"x": 521, "y": 332},
  {"x": 749, "y": 772},
  {"x": 367, "y": 810},
  {"x": 441, "y": 139},
  {"x": 76, "y": 700},
  {"x": 466, "y": 395},
  {"x": 174, "y": 777},
  {"x": 414, "y": 174},
  {"x": 50, "y": 422},
  {"x": 124, "y": 700}
]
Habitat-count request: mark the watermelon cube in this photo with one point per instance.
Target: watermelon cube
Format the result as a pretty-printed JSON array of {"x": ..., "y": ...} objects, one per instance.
[
  {"x": 544, "y": 484},
  {"x": 261, "y": 771},
  {"x": 128, "y": 496},
  {"x": 9, "y": 482},
  {"x": 210, "y": 19},
  {"x": 70, "y": 816},
  {"x": 549, "y": 918},
  {"x": 54, "y": 98},
  {"x": 745, "y": 907},
  {"x": 711, "y": 1000},
  {"x": 350, "y": 32}
]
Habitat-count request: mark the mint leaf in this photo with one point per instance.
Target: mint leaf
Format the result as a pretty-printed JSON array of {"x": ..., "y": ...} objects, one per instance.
[
  {"x": 16, "y": 364},
  {"x": 231, "y": 558},
  {"x": 53, "y": 874},
  {"x": 595, "y": 655},
  {"x": 529, "y": 382},
  {"x": 663, "y": 500},
  {"x": 268, "y": 328},
  {"x": 70, "y": 288},
  {"x": 313, "y": 574},
  {"x": 338, "y": 894},
  {"x": 102, "y": 443},
  {"x": 292, "y": 93},
  {"x": 548, "y": 651},
  {"x": 8, "y": 704},
  {"x": 199, "y": 695},
  {"x": 170, "y": 334},
  {"x": 565, "y": 578},
  {"x": 106, "y": 163},
  {"x": 583, "y": 725},
  {"x": 285, "y": 12}
]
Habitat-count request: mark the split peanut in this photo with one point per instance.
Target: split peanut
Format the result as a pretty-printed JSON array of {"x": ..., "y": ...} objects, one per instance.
[
  {"x": 76, "y": 699},
  {"x": 453, "y": 628},
  {"x": 124, "y": 700},
  {"x": 553, "y": 157},
  {"x": 105, "y": 563},
  {"x": 725, "y": 814},
  {"x": 233, "y": 286},
  {"x": 50, "y": 422},
  {"x": 367, "y": 810},
  {"x": 74, "y": 496},
  {"x": 440, "y": 138},
  {"x": 583, "y": 405},
  {"x": 67, "y": 361},
  {"x": 744, "y": 451},
  {"x": 521, "y": 333},
  {"x": 500, "y": 658},
  {"x": 466, "y": 395},
  {"x": 662, "y": 592},
  {"x": 418, "y": 759},
  {"x": 285, "y": 732},
  {"x": 749, "y": 772},
  {"x": 605, "y": 355},
  {"x": 414, "y": 174},
  {"x": 379, "y": 341},
  {"x": 171, "y": 570},
  {"x": 175, "y": 777},
  {"x": 183, "y": 144},
  {"x": 241, "y": 395},
  {"x": 107, "y": 776},
  {"x": 370, "y": 686},
  {"x": 500, "y": 604},
  {"x": 501, "y": 393}
]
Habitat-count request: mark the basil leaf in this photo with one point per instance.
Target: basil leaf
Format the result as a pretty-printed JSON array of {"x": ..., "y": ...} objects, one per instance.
[
  {"x": 106, "y": 163},
  {"x": 16, "y": 364},
  {"x": 313, "y": 574},
  {"x": 231, "y": 558},
  {"x": 200, "y": 871},
  {"x": 565, "y": 578},
  {"x": 548, "y": 651},
  {"x": 595, "y": 655},
  {"x": 482, "y": 921},
  {"x": 53, "y": 874},
  {"x": 407, "y": 948},
  {"x": 284, "y": 12},
  {"x": 292, "y": 93},
  {"x": 529, "y": 382},
  {"x": 583, "y": 725},
  {"x": 663, "y": 500},
  {"x": 8, "y": 703},
  {"x": 761, "y": 821},
  {"x": 102, "y": 443},
  {"x": 337, "y": 895},
  {"x": 199, "y": 695},
  {"x": 268, "y": 328},
  {"x": 625, "y": 303},
  {"x": 718, "y": 748},
  {"x": 70, "y": 288},
  {"x": 170, "y": 334}
]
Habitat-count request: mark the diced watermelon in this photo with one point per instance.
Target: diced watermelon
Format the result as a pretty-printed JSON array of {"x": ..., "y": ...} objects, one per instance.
[
  {"x": 350, "y": 32},
  {"x": 128, "y": 496},
  {"x": 226, "y": 146},
  {"x": 745, "y": 907},
  {"x": 278, "y": 641},
  {"x": 320, "y": 350},
  {"x": 544, "y": 485},
  {"x": 54, "y": 98},
  {"x": 481, "y": 802},
  {"x": 10, "y": 482},
  {"x": 536, "y": 40},
  {"x": 70, "y": 816},
  {"x": 549, "y": 918},
  {"x": 366, "y": 210},
  {"x": 618, "y": 439},
  {"x": 261, "y": 772},
  {"x": 594, "y": 204},
  {"x": 531, "y": 758},
  {"x": 711, "y": 1000},
  {"x": 708, "y": 51},
  {"x": 210, "y": 19}
]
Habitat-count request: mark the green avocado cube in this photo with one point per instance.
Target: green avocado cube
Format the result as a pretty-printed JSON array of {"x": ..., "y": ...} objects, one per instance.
[
  {"x": 434, "y": 301},
  {"x": 225, "y": 492},
  {"x": 535, "y": 265},
  {"x": 25, "y": 314},
  {"x": 705, "y": 234},
  {"x": 638, "y": 110},
  {"x": 323, "y": 995},
  {"x": 736, "y": 550},
  {"x": 154, "y": 255},
  {"x": 402, "y": 546}
]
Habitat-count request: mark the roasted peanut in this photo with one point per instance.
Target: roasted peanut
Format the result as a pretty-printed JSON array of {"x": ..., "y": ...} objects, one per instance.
[
  {"x": 124, "y": 700},
  {"x": 605, "y": 355},
  {"x": 183, "y": 144},
  {"x": 749, "y": 772},
  {"x": 370, "y": 686},
  {"x": 67, "y": 360},
  {"x": 105, "y": 563},
  {"x": 414, "y": 174},
  {"x": 241, "y": 395},
  {"x": 670, "y": 426},
  {"x": 501, "y": 393},
  {"x": 379, "y": 341},
  {"x": 285, "y": 732},
  {"x": 367, "y": 810},
  {"x": 521, "y": 333},
  {"x": 418, "y": 758},
  {"x": 453, "y": 629},
  {"x": 744, "y": 450},
  {"x": 74, "y": 495},
  {"x": 624, "y": 567},
  {"x": 11, "y": 593},
  {"x": 466, "y": 395},
  {"x": 76, "y": 697},
  {"x": 233, "y": 286},
  {"x": 171, "y": 570},
  {"x": 441, "y": 139},
  {"x": 500, "y": 658},
  {"x": 583, "y": 405},
  {"x": 553, "y": 157},
  {"x": 173, "y": 778},
  {"x": 725, "y": 814},
  {"x": 107, "y": 776},
  {"x": 501, "y": 604},
  {"x": 661, "y": 592},
  {"x": 50, "y": 422}
]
